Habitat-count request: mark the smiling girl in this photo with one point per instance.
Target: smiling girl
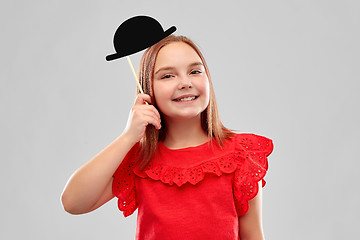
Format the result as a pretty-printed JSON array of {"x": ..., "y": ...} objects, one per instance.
[{"x": 188, "y": 175}]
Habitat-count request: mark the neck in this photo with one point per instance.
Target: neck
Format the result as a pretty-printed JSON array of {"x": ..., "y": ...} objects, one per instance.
[{"x": 184, "y": 133}]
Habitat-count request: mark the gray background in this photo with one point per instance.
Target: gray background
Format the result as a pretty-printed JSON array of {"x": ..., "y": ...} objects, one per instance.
[{"x": 285, "y": 69}]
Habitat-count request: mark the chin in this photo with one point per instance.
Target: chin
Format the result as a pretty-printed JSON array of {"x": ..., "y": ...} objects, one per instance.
[
  {"x": 185, "y": 116},
  {"x": 178, "y": 113}
]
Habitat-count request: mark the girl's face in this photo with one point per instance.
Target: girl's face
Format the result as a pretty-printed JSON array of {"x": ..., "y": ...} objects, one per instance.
[{"x": 180, "y": 83}]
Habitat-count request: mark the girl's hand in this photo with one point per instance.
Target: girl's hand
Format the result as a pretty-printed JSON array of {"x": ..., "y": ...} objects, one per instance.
[{"x": 140, "y": 116}]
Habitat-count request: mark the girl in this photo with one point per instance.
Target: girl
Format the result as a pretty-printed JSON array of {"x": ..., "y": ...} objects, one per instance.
[{"x": 188, "y": 175}]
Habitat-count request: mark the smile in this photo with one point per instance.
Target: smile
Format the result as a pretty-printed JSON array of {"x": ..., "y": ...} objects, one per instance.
[{"x": 185, "y": 99}]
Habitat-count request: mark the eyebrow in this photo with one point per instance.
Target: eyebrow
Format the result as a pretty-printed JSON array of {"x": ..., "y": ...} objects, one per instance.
[{"x": 171, "y": 68}]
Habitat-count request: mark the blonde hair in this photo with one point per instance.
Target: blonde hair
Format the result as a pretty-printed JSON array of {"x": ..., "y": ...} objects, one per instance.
[{"x": 210, "y": 120}]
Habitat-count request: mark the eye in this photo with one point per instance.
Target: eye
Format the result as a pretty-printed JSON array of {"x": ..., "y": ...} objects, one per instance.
[
  {"x": 166, "y": 76},
  {"x": 196, "y": 72}
]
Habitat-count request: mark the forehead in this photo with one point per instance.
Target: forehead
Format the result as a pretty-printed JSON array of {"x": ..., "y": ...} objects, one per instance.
[{"x": 176, "y": 54}]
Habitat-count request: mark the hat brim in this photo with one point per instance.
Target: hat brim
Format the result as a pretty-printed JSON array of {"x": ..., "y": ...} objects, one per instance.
[{"x": 123, "y": 54}]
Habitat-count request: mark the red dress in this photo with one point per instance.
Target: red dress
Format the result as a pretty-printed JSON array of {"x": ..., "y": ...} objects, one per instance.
[{"x": 195, "y": 192}]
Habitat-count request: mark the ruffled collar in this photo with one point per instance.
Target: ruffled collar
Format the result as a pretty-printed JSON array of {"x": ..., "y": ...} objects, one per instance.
[{"x": 189, "y": 164}]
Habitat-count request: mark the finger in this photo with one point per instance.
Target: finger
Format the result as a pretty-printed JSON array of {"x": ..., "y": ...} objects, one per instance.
[
  {"x": 155, "y": 113},
  {"x": 154, "y": 110},
  {"x": 142, "y": 98},
  {"x": 151, "y": 119},
  {"x": 150, "y": 108},
  {"x": 139, "y": 111}
]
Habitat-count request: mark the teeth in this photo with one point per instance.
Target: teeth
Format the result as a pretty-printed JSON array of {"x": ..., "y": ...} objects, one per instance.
[{"x": 186, "y": 99}]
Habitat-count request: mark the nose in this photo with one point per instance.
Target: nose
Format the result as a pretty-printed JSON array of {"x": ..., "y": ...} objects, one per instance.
[{"x": 185, "y": 82}]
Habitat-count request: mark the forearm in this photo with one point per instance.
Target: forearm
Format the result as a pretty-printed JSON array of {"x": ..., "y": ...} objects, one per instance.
[
  {"x": 88, "y": 184},
  {"x": 255, "y": 235}
]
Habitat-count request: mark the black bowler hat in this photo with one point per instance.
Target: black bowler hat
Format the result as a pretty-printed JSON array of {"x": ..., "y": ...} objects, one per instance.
[{"x": 136, "y": 34}]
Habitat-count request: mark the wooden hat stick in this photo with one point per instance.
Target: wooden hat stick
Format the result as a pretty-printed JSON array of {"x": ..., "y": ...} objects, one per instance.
[
  {"x": 136, "y": 78},
  {"x": 133, "y": 71}
]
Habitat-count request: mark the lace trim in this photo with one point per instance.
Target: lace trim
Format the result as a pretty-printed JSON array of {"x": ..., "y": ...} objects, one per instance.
[
  {"x": 193, "y": 175},
  {"x": 250, "y": 152},
  {"x": 247, "y": 176},
  {"x": 124, "y": 185}
]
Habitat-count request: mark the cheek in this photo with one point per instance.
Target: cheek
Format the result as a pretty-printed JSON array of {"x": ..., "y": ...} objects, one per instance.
[
  {"x": 161, "y": 93},
  {"x": 204, "y": 87}
]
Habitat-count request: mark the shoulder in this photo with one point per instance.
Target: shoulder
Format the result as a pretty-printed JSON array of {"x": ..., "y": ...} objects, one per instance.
[
  {"x": 252, "y": 151},
  {"x": 252, "y": 142}
]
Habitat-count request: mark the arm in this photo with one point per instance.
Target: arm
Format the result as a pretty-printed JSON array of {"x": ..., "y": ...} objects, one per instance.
[
  {"x": 91, "y": 185},
  {"x": 251, "y": 223}
]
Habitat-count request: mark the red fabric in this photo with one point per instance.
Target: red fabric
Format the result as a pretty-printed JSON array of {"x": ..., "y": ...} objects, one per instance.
[{"x": 193, "y": 193}]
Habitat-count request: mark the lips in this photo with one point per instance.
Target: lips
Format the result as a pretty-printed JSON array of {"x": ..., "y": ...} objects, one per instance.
[{"x": 187, "y": 97}]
